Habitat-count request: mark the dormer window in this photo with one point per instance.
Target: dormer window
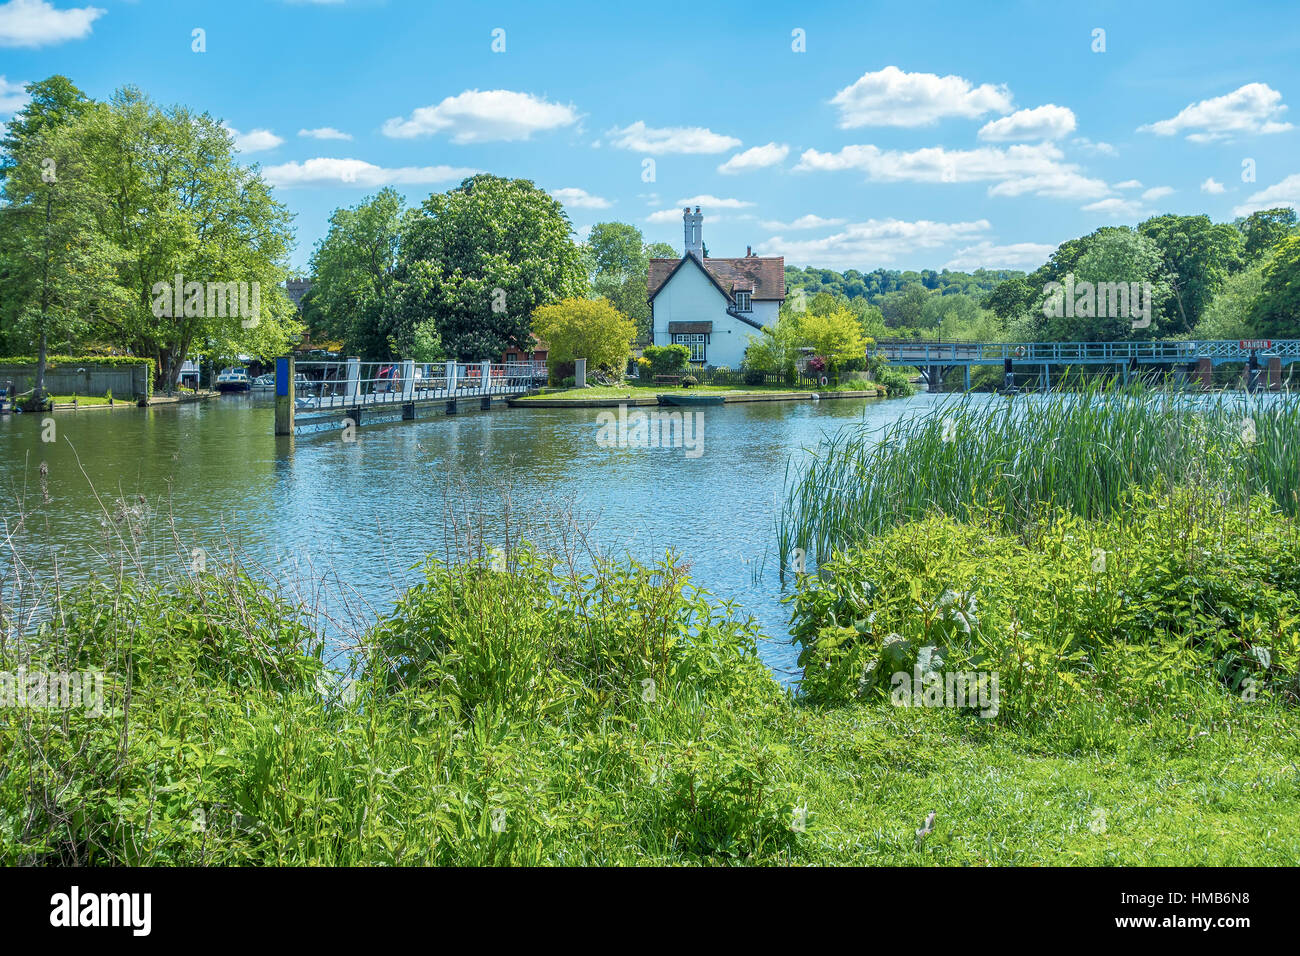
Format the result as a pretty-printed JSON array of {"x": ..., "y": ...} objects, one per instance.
[{"x": 742, "y": 302}]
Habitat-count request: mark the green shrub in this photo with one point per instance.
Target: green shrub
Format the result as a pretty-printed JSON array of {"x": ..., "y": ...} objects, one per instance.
[
  {"x": 1178, "y": 589},
  {"x": 895, "y": 383},
  {"x": 668, "y": 359},
  {"x": 689, "y": 381}
]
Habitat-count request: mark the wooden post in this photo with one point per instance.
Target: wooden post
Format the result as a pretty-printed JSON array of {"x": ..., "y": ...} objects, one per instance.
[
  {"x": 1205, "y": 371},
  {"x": 1275, "y": 371},
  {"x": 284, "y": 395}
]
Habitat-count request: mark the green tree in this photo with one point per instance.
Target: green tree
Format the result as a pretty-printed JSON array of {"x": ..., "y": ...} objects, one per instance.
[
  {"x": 1198, "y": 256},
  {"x": 1264, "y": 229},
  {"x": 54, "y": 102},
  {"x": 618, "y": 261},
  {"x": 480, "y": 259},
  {"x": 1277, "y": 310},
  {"x": 905, "y": 308},
  {"x": 353, "y": 273},
  {"x": 1112, "y": 255},
  {"x": 585, "y": 328},
  {"x": 181, "y": 205},
  {"x": 56, "y": 269},
  {"x": 776, "y": 348},
  {"x": 1231, "y": 314},
  {"x": 836, "y": 335}
]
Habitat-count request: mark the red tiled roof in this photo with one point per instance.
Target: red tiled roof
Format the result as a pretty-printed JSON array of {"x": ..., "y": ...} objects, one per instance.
[{"x": 764, "y": 274}]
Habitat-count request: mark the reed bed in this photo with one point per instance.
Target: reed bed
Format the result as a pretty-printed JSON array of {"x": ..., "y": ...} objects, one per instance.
[{"x": 1076, "y": 452}]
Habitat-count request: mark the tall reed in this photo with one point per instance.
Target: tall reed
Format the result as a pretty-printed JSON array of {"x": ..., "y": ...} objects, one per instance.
[{"x": 1077, "y": 452}]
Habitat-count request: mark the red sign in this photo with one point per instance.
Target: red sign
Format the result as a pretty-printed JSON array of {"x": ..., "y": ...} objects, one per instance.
[{"x": 1251, "y": 344}]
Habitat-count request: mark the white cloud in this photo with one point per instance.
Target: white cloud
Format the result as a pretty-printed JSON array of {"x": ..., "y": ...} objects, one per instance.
[
  {"x": 1117, "y": 208},
  {"x": 873, "y": 241},
  {"x": 1253, "y": 108},
  {"x": 1042, "y": 122},
  {"x": 1087, "y": 145},
  {"x": 986, "y": 255},
  {"x": 756, "y": 158},
  {"x": 254, "y": 141},
  {"x": 1211, "y": 185},
  {"x": 35, "y": 23},
  {"x": 324, "y": 132},
  {"x": 891, "y": 97},
  {"x": 670, "y": 139},
  {"x": 1157, "y": 192},
  {"x": 484, "y": 116},
  {"x": 1129, "y": 184},
  {"x": 1285, "y": 193},
  {"x": 580, "y": 198},
  {"x": 809, "y": 221},
  {"x": 13, "y": 96},
  {"x": 1037, "y": 169},
  {"x": 713, "y": 202},
  {"x": 355, "y": 172}
]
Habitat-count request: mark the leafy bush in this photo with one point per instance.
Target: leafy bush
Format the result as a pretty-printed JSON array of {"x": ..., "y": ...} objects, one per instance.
[
  {"x": 668, "y": 359},
  {"x": 895, "y": 383},
  {"x": 689, "y": 381},
  {"x": 1179, "y": 589}
]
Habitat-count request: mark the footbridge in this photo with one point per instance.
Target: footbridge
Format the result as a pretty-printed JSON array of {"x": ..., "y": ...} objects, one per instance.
[{"x": 1193, "y": 359}]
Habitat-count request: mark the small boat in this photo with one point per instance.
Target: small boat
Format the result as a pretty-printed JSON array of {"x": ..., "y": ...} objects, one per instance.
[
  {"x": 233, "y": 379},
  {"x": 264, "y": 382},
  {"x": 686, "y": 398}
]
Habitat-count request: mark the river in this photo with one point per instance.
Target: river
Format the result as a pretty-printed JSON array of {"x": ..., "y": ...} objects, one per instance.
[{"x": 344, "y": 522}]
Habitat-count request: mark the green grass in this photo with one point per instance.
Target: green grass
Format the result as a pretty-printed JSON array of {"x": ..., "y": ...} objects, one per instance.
[{"x": 81, "y": 399}]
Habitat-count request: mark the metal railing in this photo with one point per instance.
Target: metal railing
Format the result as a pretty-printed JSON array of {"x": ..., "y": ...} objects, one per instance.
[
  {"x": 940, "y": 353},
  {"x": 351, "y": 383}
]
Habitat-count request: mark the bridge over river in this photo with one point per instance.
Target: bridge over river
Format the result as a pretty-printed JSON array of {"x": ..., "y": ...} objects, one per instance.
[
  {"x": 322, "y": 393},
  {"x": 1195, "y": 359}
]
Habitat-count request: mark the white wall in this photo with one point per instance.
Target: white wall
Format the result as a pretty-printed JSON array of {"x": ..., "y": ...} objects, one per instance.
[{"x": 690, "y": 296}]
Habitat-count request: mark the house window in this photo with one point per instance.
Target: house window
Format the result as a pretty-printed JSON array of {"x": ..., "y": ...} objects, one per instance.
[
  {"x": 742, "y": 302},
  {"x": 696, "y": 342}
]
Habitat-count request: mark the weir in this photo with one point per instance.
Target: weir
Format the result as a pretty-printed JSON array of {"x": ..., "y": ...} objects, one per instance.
[{"x": 316, "y": 393}]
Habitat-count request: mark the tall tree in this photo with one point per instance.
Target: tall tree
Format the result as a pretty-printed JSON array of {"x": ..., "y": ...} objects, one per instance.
[
  {"x": 353, "y": 270},
  {"x": 53, "y": 102},
  {"x": 56, "y": 269},
  {"x": 1277, "y": 310},
  {"x": 480, "y": 258},
  {"x": 179, "y": 204},
  {"x": 1264, "y": 229},
  {"x": 618, "y": 260},
  {"x": 1198, "y": 257}
]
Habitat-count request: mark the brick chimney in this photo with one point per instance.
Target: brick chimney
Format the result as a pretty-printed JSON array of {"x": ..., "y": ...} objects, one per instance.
[{"x": 693, "y": 225}]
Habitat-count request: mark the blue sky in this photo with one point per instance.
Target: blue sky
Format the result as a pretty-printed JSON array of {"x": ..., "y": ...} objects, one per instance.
[{"x": 904, "y": 135}]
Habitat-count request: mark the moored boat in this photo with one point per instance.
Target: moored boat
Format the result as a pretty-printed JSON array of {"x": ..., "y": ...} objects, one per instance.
[{"x": 234, "y": 379}]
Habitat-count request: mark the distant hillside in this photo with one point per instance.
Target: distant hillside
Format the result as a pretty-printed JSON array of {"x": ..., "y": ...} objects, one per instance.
[{"x": 880, "y": 282}]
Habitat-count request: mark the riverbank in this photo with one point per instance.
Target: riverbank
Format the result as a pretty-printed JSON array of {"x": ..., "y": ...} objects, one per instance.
[
  {"x": 510, "y": 711},
  {"x": 605, "y": 396},
  {"x": 65, "y": 403}
]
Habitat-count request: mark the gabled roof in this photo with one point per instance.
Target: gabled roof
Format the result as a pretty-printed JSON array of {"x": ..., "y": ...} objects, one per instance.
[{"x": 764, "y": 275}]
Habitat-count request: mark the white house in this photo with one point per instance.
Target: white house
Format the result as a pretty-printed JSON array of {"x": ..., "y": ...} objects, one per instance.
[{"x": 713, "y": 305}]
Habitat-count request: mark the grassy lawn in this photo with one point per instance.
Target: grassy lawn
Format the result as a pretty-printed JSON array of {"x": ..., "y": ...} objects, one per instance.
[{"x": 84, "y": 400}]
